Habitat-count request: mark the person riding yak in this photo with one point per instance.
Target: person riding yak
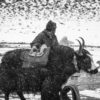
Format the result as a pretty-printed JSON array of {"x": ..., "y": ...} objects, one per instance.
[{"x": 46, "y": 38}]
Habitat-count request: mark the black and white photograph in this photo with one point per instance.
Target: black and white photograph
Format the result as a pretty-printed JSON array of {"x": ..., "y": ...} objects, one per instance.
[{"x": 49, "y": 49}]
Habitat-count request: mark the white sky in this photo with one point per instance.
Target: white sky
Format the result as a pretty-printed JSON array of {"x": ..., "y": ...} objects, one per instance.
[
  {"x": 15, "y": 30},
  {"x": 88, "y": 30}
]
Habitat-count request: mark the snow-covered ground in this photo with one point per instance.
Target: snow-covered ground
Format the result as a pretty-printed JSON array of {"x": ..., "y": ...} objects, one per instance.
[
  {"x": 27, "y": 96},
  {"x": 85, "y": 94},
  {"x": 28, "y": 29},
  {"x": 25, "y": 26},
  {"x": 91, "y": 93}
]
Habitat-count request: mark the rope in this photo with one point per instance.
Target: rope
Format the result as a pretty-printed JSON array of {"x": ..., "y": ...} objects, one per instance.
[{"x": 73, "y": 89}]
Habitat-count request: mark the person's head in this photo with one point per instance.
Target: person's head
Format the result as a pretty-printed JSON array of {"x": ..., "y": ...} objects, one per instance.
[{"x": 51, "y": 26}]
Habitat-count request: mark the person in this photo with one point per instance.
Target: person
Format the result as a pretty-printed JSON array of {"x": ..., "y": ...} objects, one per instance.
[
  {"x": 47, "y": 37},
  {"x": 44, "y": 41}
]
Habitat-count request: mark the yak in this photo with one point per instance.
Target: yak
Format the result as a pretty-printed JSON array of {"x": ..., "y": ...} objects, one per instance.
[{"x": 63, "y": 61}]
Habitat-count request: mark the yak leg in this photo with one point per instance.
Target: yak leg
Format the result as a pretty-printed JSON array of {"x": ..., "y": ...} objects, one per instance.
[
  {"x": 7, "y": 95},
  {"x": 65, "y": 96},
  {"x": 20, "y": 94},
  {"x": 50, "y": 90}
]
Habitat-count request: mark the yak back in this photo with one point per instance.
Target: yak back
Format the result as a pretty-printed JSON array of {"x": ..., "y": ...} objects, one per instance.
[
  {"x": 12, "y": 59},
  {"x": 60, "y": 56},
  {"x": 64, "y": 53}
]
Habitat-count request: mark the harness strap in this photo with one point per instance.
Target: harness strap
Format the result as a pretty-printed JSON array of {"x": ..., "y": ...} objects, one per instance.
[{"x": 75, "y": 63}]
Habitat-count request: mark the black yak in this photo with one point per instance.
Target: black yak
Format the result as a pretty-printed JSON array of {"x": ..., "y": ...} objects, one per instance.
[{"x": 63, "y": 62}]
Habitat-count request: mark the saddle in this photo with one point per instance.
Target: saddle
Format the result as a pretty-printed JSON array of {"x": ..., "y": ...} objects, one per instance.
[{"x": 34, "y": 60}]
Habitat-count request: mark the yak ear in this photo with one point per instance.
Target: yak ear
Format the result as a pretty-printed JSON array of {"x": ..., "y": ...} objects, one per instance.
[{"x": 79, "y": 52}]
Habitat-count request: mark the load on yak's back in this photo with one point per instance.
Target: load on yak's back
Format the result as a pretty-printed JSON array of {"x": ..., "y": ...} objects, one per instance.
[{"x": 35, "y": 57}]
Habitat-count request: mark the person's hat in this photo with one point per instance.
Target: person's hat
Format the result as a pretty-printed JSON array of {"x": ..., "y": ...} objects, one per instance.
[{"x": 50, "y": 26}]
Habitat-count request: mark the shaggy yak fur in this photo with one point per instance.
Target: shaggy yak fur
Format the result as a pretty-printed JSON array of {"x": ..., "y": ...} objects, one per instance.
[{"x": 44, "y": 79}]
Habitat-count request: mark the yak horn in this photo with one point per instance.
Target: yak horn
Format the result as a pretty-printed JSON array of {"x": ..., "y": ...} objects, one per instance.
[
  {"x": 83, "y": 42},
  {"x": 80, "y": 47}
]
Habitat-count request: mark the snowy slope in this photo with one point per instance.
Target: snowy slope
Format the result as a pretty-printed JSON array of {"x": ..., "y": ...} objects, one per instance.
[{"x": 22, "y": 26}]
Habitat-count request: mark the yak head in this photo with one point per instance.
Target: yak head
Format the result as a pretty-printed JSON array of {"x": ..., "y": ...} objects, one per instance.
[{"x": 84, "y": 59}]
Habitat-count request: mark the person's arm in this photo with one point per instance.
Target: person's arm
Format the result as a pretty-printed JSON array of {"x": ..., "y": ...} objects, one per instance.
[{"x": 37, "y": 41}]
